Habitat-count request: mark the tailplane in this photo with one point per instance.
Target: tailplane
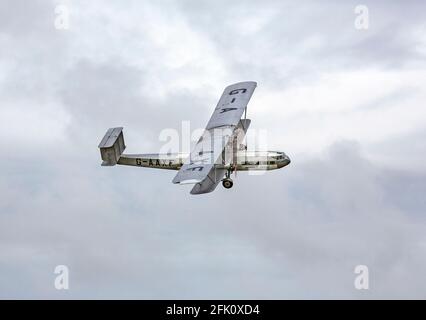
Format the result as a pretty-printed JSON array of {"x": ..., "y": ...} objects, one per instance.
[{"x": 112, "y": 146}]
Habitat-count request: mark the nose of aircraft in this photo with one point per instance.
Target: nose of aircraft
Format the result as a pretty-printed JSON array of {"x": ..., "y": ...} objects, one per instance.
[{"x": 284, "y": 161}]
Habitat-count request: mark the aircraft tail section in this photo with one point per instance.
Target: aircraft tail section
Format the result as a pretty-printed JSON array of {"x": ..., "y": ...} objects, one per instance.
[{"x": 112, "y": 146}]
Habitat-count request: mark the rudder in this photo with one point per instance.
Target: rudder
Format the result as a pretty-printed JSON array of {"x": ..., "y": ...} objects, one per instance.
[{"x": 112, "y": 146}]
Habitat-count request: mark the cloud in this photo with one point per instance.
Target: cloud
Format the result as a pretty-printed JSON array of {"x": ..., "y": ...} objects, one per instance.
[
  {"x": 120, "y": 241},
  {"x": 346, "y": 105}
]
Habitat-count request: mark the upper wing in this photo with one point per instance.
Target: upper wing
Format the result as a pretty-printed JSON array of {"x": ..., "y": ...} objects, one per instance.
[
  {"x": 201, "y": 166},
  {"x": 232, "y": 104}
]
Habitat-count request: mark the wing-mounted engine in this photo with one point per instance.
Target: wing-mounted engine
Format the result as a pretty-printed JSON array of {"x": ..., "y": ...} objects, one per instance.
[{"x": 240, "y": 133}]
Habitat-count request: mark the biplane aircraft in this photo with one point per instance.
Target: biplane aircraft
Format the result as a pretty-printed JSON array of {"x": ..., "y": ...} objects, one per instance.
[{"x": 218, "y": 153}]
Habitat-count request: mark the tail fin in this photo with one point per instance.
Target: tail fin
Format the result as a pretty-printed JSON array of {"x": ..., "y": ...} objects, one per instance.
[{"x": 112, "y": 146}]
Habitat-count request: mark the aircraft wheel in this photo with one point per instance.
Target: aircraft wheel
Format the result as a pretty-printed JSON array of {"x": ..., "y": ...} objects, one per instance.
[{"x": 227, "y": 183}]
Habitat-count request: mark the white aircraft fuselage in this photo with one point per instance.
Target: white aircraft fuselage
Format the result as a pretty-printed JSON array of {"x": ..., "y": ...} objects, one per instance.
[{"x": 245, "y": 160}]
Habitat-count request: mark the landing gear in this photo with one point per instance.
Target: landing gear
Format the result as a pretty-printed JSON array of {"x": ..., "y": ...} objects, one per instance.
[{"x": 227, "y": 183}]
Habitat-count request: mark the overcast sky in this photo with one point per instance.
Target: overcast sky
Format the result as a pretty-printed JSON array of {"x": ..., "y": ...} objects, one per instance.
[{"x": 347, "y": 106}]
